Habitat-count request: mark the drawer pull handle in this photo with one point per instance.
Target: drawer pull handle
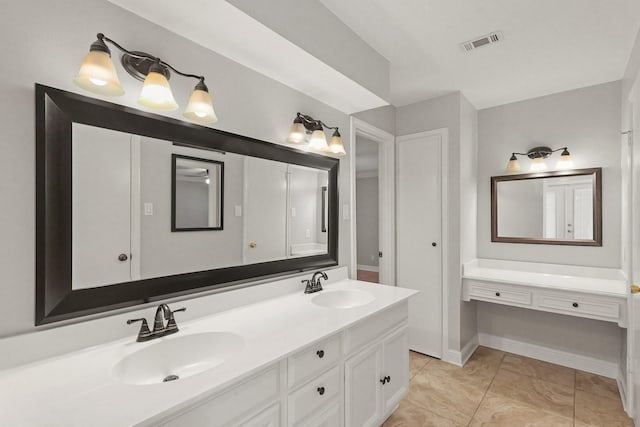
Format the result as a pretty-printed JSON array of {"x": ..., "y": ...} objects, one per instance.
[
  {"x": 575, "y": 304},
  {"x": 385, "y": 380},
  {"x": 497, "y": 294},
  {"x": 320, "y": 353},
  {"x": 320, "y": 390}
]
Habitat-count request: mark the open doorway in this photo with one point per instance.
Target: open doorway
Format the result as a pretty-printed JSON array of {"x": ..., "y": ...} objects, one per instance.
[{"x": 367, "y": 207}]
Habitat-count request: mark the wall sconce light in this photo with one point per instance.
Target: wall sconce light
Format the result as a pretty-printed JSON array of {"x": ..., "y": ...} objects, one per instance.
[
  {"x": 304, "y": 125},
  {"x": 538, "y": 156},
  {"x": 97, "y": 74}
]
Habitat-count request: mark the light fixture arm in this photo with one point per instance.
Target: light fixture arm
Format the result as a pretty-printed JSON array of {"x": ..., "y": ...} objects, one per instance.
[
  {"x": 103, "y": 39},
  {"x": 310, "y": 123}
]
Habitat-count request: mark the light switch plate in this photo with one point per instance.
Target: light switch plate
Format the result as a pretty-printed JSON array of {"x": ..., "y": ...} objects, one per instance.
[
  {"x": 345, "y": 212},
  {"x": 238, "y": 210},
  {"x": 148, "y": 208}
]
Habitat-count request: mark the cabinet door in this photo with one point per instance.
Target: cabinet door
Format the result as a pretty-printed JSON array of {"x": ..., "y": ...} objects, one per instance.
[
  {"x": 363, "y": 402},
  {"x": 395, "y": 368},
  {"x": 267, "y": 418}
]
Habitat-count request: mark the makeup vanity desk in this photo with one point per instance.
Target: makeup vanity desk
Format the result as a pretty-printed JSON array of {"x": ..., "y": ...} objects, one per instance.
[{"x": 594, "y": 293}]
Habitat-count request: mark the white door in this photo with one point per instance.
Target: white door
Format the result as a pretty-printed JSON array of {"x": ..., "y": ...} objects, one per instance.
[
  {"x": 395, "y": 369},
  {"x": 419, "y": 236},
  {"x": 362, "y": 388},
  {"x": 265, "y": 210},
  {"x": 634, "y": 300},
  {"x": 101, "y": 224}
]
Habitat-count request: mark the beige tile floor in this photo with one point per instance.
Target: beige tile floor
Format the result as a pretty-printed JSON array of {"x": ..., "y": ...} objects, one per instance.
[{"x": 496, "y": 388}]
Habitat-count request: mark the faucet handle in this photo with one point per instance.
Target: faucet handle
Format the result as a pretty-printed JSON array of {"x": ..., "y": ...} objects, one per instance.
[
  {"x": 144, "y": 334},
  {"x": 309, "y": 286},
  {"x": 171, "y": 323}
]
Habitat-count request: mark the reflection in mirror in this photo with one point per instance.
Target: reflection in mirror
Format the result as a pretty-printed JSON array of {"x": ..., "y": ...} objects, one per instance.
[
  {"x": 547, "y": 208},
  {"x": 197, "y": 196},
  {"x": 125, "y": 194}
]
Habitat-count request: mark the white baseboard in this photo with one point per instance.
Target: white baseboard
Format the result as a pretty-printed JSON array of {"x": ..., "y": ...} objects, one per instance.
[
  {"x": 459, "y": 358},
  {"x": 559, "y": 357},
  {"x": 622, "y": 389},
  {"x": 373, "y": 268}
]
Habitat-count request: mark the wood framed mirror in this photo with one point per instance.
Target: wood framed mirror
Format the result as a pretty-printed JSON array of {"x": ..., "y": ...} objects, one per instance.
[
  {"x": 553, "y": 208},
  {"x": 104, "y": 236}
]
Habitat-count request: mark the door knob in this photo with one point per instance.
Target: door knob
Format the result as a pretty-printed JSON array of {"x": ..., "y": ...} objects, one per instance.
[
  {"x": 635, "y": 289},
  {"x": 253, "y": 245},
  {"x": 434, "y": 244},
  {"x": 123, "y": 257}
]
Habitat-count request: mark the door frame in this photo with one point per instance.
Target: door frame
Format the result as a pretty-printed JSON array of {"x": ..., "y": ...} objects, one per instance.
[
  {"x": 444, "y": 220},
  {"x": 386, "y": 199}
]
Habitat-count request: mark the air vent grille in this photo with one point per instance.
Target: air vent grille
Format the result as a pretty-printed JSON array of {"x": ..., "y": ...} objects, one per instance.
[{"x": 485, "y": 40}]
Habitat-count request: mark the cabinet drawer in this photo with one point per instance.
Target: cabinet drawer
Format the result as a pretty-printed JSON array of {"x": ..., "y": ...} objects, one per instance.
[
  {"x": 232, "y": 403},
  {"x": 317, "y": 393},
  {"x": 497, "y": 293},
  {"x": 367, "y": 330},
  {"x": 579, "y": 305},
  {"x": 313, "y": 360}
]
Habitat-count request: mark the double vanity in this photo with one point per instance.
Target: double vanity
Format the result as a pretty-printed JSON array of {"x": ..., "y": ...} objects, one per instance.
[{"x": 329, "y": 358}]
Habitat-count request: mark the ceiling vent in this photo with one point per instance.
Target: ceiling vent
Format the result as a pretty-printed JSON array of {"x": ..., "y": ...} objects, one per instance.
[{"x": 485, "y": 40}]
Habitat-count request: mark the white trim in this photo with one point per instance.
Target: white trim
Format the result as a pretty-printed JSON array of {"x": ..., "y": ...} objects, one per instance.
[
  {"x": 459, "y": 358},
  {"x": 386, "y": 202},
  {"x": 373, "y": 268},
  {"x": 366, "y": 174},
  {"x": 622, "y": 389},
  {"x": 135, "y": 202},
  {"x": 547, "y": 354},
  {"x": 447, "y": 354}
]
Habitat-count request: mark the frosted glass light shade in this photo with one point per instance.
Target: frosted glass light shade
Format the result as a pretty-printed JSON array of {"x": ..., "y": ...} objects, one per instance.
[
  {"x": 335, "y": 145},
  {"x": 538, "y": 164},
  {"x": 318, "y": 140},
  {"x": 98, "y": 75},
  {"x": 200, "y": 107},
  {"x": 513, "y": 166},
  {"x": 565, "y": 161},
  {"x": 156, "y": 93},
  {"x": 297, "y": 133}
]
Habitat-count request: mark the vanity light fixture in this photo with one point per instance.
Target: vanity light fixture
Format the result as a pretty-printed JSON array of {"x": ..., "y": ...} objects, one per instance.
[
  {"x": 304, "y": 125},
  {"x": 98, "y": 75},
  {"x": 538, "y": 156}
]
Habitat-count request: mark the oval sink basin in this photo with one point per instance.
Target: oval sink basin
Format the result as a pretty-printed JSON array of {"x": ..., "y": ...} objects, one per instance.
[
  {"x": 177, "y": 357},
  {"x": 347, "y": 298}
]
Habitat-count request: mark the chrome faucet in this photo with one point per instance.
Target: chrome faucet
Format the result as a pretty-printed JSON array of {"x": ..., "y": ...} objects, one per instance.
[
  {"x": 163, "y": 312},
  {"x": 314, "y": 285}
]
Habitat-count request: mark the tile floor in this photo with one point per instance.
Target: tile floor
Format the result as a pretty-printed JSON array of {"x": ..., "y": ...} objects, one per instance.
[{"x": 496, "y": 388}]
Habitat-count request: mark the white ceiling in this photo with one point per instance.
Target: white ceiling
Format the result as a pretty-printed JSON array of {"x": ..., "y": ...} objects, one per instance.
[
  {"x": 549, "y": 45},
  {"x": 221, "y": 27}
]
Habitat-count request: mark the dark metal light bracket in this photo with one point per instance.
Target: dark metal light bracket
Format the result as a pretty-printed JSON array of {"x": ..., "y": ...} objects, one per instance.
[
  {"x": 540, "y": 152},
  {"x": 138, "y": 64}
]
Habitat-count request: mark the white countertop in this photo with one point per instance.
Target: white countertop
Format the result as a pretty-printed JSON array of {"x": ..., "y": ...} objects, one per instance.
[
  {"x": 599, "y": 281},
  {"x": 78, "y": 389}
]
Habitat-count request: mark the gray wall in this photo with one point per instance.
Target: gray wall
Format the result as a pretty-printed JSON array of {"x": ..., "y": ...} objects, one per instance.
[
  {"x": 456, "y": 114},
  {"x": 47, "y": 41},
  {"x": 383, "y": 118},
  {"x": 585, "y": 120},
  {"x": 367, "y": 220},
  {"x": 163, "y": 252}
]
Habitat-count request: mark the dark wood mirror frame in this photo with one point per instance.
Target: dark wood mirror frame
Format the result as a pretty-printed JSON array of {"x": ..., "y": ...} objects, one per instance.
[
  {"x": 597, "y": 207},
  {"x": 56, "y": 110},
  {"x": 174, "y": 166}
]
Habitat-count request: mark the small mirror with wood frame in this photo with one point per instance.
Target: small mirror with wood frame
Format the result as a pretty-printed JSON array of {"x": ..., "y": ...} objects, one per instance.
[{"x": 553, "y": 208}]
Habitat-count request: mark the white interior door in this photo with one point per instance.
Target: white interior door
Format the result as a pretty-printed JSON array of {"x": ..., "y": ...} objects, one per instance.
[
  {"x": 265, "y": 210},
  {"x": 419, "y": 236},
  {"x": 101, "y": 224}
]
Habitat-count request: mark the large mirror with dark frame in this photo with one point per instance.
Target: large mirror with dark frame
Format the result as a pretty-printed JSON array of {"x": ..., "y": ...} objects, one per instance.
[
  {"x": 116, "y": 186},
  {"x": 556, "y": 208}
]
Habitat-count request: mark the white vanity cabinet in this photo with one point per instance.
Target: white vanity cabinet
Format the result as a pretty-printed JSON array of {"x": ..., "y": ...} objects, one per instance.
[{"x": 376, "y": 379}]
